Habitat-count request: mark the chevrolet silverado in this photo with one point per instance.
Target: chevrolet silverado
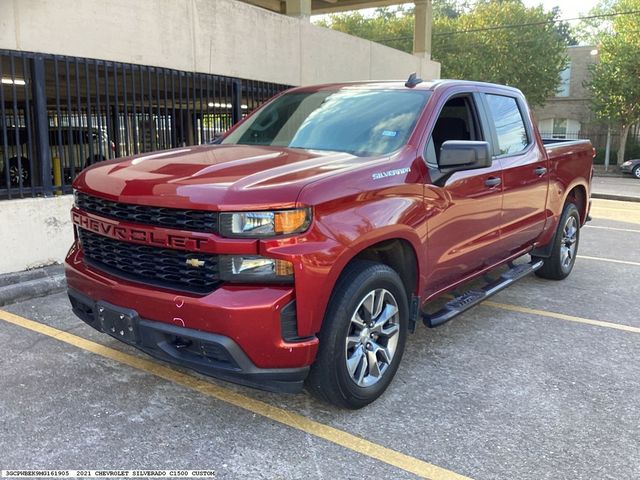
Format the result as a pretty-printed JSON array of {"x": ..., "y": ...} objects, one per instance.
[{"x": 306, "y": 244}]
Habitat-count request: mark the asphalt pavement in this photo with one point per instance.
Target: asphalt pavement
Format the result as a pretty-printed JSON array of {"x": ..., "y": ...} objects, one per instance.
[{"x": 541, "y": 382}]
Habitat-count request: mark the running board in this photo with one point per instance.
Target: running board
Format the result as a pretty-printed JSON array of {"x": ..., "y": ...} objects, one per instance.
[{"x": 472, "y": 297}]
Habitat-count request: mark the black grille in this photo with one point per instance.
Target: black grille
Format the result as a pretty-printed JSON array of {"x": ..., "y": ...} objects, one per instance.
[
  {"x": 192, "y": 220},
  {"x": 161, "y": 267}
]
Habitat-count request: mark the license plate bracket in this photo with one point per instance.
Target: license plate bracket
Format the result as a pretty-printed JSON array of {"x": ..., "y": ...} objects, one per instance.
[{"x": 120, "y": 323}]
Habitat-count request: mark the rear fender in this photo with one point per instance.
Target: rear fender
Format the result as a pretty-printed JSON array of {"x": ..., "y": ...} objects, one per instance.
[{"x": 548, "y": 238}]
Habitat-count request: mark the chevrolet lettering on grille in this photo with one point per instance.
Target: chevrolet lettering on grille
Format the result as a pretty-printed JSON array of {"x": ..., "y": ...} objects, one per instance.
[{"x": 120, "y": 232}]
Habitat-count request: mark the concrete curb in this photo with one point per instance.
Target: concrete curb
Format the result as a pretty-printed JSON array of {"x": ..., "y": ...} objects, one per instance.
[
  {"x": 609, "y": 175},
  {"x": 609, "y": 196},
  {"x": 18, "y": 286}
]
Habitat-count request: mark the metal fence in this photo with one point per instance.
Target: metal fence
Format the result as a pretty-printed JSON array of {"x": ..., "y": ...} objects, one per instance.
[
  {"x": 60, "y": 114},
  {"x": 598, "y": 139}
]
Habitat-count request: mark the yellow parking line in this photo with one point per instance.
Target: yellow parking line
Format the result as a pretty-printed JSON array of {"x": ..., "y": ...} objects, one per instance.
[
  {"x": 615, "y": 210},
  {"x": 617, "y": 204},
  {"x": 280, "y": 415},
  {"x": 562, "y": 316},
  {"x": 611, "y": 260}
]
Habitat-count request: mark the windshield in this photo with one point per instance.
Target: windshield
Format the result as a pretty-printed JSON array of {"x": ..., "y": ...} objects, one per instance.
[{"x": 360, "y": 122}]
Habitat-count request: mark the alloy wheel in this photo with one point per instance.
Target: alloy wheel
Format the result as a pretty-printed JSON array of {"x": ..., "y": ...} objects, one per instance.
[
  {"x": 569, "y": 242},
  {"x": 372, "y": 339},
  {"x": 15, "y": 173}
]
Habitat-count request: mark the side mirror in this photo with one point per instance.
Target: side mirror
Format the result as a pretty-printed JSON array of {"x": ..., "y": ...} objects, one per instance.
[{"x": 456, "y": 155}]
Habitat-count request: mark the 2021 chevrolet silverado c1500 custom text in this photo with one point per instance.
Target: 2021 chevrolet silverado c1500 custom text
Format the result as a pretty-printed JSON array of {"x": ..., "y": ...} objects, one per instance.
[{"x": 305, "y": 245}]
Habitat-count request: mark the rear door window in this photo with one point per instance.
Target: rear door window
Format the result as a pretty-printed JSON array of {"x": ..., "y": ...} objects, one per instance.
[{"x": 509, "y": 123}]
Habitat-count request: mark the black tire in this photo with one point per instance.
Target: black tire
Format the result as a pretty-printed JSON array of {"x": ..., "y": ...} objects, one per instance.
[
  {"x": 636, "y": 172},
  {"x": 556, "y": 267},
  {"x": 19, "y": 165},
  {"x": 329, "y": 378}
]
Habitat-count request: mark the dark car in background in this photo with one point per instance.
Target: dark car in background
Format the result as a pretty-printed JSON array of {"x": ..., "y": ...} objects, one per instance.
[
  {"x": 632, "y": 167},
  {"x": 70, "y": 145}
]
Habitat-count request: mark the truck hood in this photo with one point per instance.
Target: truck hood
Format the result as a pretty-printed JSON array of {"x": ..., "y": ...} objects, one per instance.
[{"x": 214, "y": 177}]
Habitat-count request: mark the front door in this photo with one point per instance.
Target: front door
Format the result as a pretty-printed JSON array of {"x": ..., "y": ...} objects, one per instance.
[{"x": 465, "y": 209}]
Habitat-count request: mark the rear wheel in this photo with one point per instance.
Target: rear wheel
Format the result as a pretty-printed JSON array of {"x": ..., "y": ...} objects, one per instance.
[
  {"x": 565, "y": 248},
  {"x": 362, "y": 338}
]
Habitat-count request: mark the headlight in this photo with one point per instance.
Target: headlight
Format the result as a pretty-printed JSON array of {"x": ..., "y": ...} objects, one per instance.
[
  {"x": 264, "y": 224},
  {"x": 254, "y": 269},
  {"x": 627, "y": 163}
]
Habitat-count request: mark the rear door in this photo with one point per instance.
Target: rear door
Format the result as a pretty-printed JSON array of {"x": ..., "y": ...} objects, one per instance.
[{"x": 524, "y": 171}]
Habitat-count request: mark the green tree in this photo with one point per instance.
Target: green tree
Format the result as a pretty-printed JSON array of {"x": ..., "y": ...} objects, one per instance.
[
  {"x": 389, "y": 26},
  {"x": 499, "y": 41},
  {"x": 449, "y": 8},
  {"x": 615, "y": 80},
  {"x": 503, "y": 42}
]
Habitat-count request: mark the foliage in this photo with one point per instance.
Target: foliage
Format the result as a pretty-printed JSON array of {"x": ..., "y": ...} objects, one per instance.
[
  {"x": 615, "y": 80},
  {"x": 589, "y": 30},
  {"x": 528, "y": 57},
  {"x": 389, "y": 26},
  {"x": 449, "y": 8}
]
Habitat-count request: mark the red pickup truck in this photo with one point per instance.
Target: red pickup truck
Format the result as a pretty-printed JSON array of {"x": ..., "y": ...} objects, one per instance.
[{"x": 306, "y": 244}]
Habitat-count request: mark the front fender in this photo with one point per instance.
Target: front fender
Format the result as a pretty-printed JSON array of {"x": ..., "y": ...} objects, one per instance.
[{"x": 336, "y": 237}]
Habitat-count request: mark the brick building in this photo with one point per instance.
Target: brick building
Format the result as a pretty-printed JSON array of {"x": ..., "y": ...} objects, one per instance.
[{"x": 568, "y": 114}]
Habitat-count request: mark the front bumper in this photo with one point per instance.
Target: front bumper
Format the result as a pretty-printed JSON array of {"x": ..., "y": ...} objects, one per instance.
[
  {"x": 627, "y": 168},
  {"x": 208, "y": 353},
  {"x": 243, "y": 321}
]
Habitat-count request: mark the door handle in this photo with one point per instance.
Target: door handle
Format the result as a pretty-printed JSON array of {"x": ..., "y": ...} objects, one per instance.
[
  {"x": 540, "y": 171},
  {"x": 493, "y": 181}
]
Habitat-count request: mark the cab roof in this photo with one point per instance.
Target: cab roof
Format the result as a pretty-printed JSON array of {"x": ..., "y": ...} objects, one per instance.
[{"x": 400, "y": 85}]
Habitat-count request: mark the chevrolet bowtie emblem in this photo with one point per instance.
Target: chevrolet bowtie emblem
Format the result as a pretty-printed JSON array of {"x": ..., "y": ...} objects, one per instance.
[{"x": 194, "y": 262}]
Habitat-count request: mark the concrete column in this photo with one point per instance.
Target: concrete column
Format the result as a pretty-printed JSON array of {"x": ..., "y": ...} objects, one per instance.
[
  {"x": 299, "y": 8},
  {"x": 422, "y": 29}
]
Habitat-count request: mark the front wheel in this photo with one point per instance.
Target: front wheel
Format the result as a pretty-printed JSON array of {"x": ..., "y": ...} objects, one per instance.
[
  {"x": 362, "y": 338},
  {"x": 565, "y": 247},
  {"x": 636, "y": 172}
]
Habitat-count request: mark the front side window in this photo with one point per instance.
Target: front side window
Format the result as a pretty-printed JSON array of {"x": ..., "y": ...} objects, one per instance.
[
  {"x": 357, "y": 121},
  {"x": 510, "y": 128},
  {"x": 457, "y": 121}
]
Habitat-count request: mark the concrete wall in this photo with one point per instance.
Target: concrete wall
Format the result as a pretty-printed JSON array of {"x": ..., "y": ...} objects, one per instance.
[
  {"x": 34, "y": 232},
  {"x": 224, "y": 37}
]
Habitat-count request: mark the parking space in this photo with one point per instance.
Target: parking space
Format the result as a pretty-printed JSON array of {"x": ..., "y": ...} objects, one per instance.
[{"x": 521, "y": 387}]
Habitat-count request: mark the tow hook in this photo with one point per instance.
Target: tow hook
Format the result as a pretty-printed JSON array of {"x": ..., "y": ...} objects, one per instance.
[{"x": 181, "y": 343}]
